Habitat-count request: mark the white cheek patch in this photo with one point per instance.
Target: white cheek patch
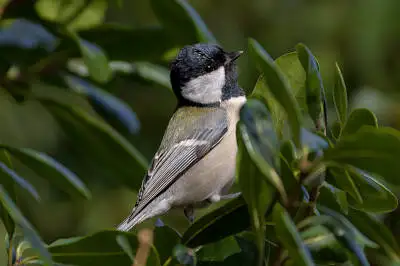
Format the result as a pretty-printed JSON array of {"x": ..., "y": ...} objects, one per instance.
[{"x": 207, "y": 88}]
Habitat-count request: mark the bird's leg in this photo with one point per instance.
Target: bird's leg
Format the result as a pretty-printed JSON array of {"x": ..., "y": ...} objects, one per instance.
[{"x": 189, "y": 213}]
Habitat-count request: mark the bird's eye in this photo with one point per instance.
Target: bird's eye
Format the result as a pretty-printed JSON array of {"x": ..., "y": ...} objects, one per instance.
[{"x": 208, "y": 67}]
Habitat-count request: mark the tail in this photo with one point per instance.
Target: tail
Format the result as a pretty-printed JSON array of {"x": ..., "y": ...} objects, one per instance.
[{"x": 133, "y": 219}]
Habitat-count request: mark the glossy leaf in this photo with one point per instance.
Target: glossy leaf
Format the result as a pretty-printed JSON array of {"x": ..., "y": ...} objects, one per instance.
[
  {"x": 100, "y": 248},
  {"x": 313, "y": 142},
  {"x": 340, "y": 95},
  {"x": 374, "y": 150},
  {"x": 376, "y": 196},
  {"x": 278, "y": 86},
  {"x": 315, "y": 92},
  {"x": 99, "y": 140},
  {"x": 184, "y": 255},
  {"x": 261, "y": 142},
  {"x": 9, "y": 176},
  {"x": 95, "y": 59},
  {"x": 347, "y": 235},
  {"x": 51, "y": 170},
  {"x": 217, "y": 224},
  {"x": 123, "y": 242},
  {"x": 290, "y": 238},
  {"x": 287, "y": 157},
  {"x": 165, "y": 239},
  {"x": 9, "y": 186},
  {"x": 220, "y": 250},
  {"x": 117, "y": 113},
  {"x": 357, "y": 119},
  {"x": 376, "y": 231},
  {"x": 28, "y": 231},
  {"x": 323, "y": 246},
  {"x": 182, "y": 21},
  {"x": 341, "y": 178},
  {"x": 91, "y": 16},
  {"x": 333, "y": 198},
  {"x": 152, "y": 73}
]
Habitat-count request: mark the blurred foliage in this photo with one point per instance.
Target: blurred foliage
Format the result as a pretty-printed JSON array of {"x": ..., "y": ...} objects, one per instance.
[{"x": 85, "y": 97}]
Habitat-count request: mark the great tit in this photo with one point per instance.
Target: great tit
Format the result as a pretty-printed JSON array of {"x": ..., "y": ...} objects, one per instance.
[{"x": 196, "y": 161}]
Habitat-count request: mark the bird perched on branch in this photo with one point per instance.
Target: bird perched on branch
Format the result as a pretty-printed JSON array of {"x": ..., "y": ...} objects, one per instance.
[{"x": 196, "y": 161}]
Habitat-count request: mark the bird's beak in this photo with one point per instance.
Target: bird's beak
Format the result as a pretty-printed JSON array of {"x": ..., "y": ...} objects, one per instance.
[{"x": 232, "y": 56}]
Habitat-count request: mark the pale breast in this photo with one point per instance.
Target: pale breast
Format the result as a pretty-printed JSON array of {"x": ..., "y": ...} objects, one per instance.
[{"x": 216, "y": 171}]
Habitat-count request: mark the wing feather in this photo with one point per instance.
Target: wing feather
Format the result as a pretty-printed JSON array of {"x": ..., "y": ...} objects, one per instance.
[{"x": 180, "y": 150}]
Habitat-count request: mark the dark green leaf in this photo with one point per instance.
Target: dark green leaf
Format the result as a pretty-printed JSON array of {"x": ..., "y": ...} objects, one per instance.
[
  {"x": 376, "y": 231},
  {"x": 100, "y": 248},
  {"x": 261, "y": 143},
  {"x": 336, "y": 129},
  {"x": 51, "y": 170},
  {"x": 341, "y": 178},
  {"x": 128, "y": 44},
  {"x": 28, "y": 231},
  {"x": 370, "y": 149},
  {"x": 217, "y": 224},
  {"x": 289, "y": 179},
  {"x": 333, "y": 198},
  {"x": 340, "y": 95},
  {"x": 184, "y": 255},
  {"x": 219, "y": 251},
  {"x": 9, "y": 186},
  {"x": 290, "y": 238},
  {"x": 376, "y": 196},
  {"x": 182, "y": 21},
  {"x": 152, "y": 73},
  {"x": 357, "y": 119},
  {"x": 123, "y": 242},
  {"x": 8, "y": 176},
  {"x": 324, "y": 248},
  {"x": 117, "y": 113},
  {"x": 99, "y": 140},
  {"x": 347, "y": 235},
  {"x": 278, "y": 86},
  {"x": 94, "y": 58},
  {"x": 165, "y": 239},
  {"x": 315, "y": 92}
]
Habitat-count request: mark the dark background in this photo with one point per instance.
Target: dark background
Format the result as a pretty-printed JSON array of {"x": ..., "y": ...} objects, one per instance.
[{"x": 362, "y": 35}]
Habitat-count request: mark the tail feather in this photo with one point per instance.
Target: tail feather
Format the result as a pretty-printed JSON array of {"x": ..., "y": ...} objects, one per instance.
[{"x": 132, "y": 220}]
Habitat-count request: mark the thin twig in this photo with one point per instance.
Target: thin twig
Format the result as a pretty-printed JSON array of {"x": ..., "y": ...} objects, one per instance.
[{"x": 145, "y": 238}]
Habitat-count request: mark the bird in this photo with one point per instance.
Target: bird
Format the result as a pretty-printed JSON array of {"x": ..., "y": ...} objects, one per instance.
[{"x": 195, "y": 163}]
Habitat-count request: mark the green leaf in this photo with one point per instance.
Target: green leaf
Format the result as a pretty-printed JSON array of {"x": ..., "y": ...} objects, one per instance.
[
  {"x": 357, "y": 119},
  {"x": 95, "y": 59},
  {"x": 100, "y": 248},
  {"x": 347, "y": 235},
  {"x": 287, "y": 157},
  {"x": 376, "y": 231},
  {"x": 217, "y": 224},
  {"x": 278, "y": 86},
  {"x": 182, "y": 21},
  {"x": 92, "y": 15},
  {"x": 117, "y": 113},
  {"x": 98, "y": 140},
  {"x": 10, "y": 177},
  {"x": 184, "y": 255},
  {"x": 129, "y": 44},
  {"x": 313, "y": 142},
  {"x": 78, "y": 14},
  {"x": 152, "y": 73},
  {"x": 165, "y": 239},
  {"x": 370, "y": 149},
  {"x": 315, "y": 92},
  {"x": 290, "y": 238},
  {"x": 340, "y": 95},
  {"x": 123, "y": 242},
  {"x": 376, "y": 196},
  {"x": 28, "y": 231},
  {"x": 261, "y": 142},
  {"x": 51, "y": 170},
  {"x": 323, "y": 245},
  {"x": 333, "y": 198},
  {"x": 341, "y": 179},
  {"x": 220, "y": 250}
]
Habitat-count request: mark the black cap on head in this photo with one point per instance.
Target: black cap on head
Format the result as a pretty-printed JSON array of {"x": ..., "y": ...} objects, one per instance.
[{"x": 198, "y": 60}]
